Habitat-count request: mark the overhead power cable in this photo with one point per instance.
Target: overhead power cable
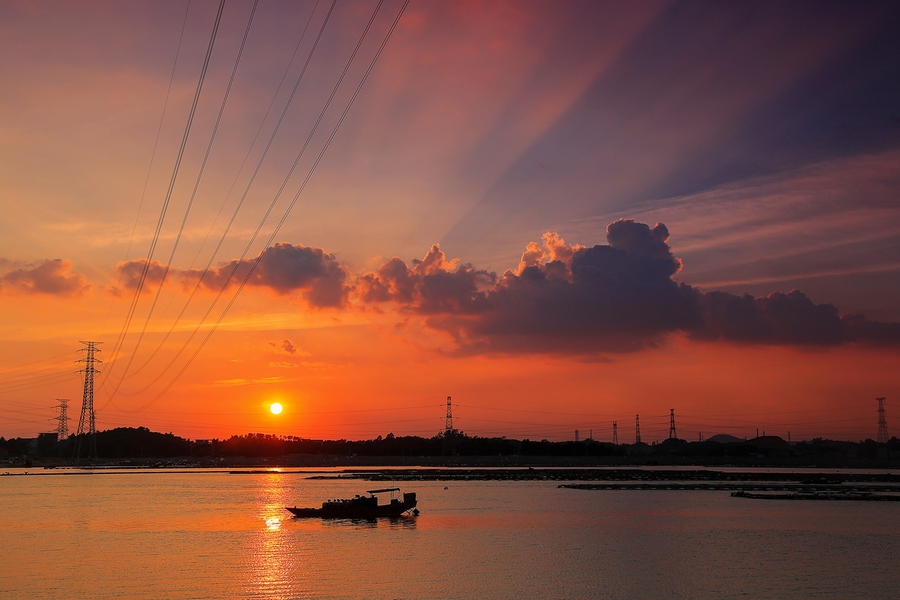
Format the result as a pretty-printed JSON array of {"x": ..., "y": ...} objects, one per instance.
[
  {"x": 281, "y": 222},
  {"x": 159, "y": 128},
  {"x": 193, "y": 196},
  {"x": 247, "y": 189},
  {"x": 225, "y": 285},
  {"x": 162, "y": 214}
]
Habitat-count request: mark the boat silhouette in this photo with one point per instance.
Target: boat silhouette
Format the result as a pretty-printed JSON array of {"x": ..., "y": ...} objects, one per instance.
[{"x": 365, "y": 507}]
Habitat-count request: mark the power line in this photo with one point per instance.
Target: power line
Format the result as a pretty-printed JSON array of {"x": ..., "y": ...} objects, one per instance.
[
  {"x": 238, "y": 207},
  {"x": 159, "y": 128},
  {"x": 234, "y": 182},
  {"x": 287, "y": 210},
  {"x": 162, "y": 215},
  {"x": 193, "y": 196}
]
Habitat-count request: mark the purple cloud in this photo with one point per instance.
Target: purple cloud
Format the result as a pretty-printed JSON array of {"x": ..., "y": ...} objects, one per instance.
[
  {"x": 46, "y": 277},
  {"x": 130, "y": 273},
  {"x": 433, "y": 286},
  {"x": 284, "y": 268},
  {"x": 615, "y": 297}
]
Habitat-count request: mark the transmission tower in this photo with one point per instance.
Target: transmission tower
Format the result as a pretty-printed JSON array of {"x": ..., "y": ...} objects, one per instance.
[
  {"x": 448, "y": 423},
  {"x": 87, "y": 425},
  {"x": 615, "y": 433},
  {"x": 62, "y": 429},
  {"x": 672, "y": 435},
  {"x": 449, "y": 432},
  {"x": 637, "y": 429},
  {"x": 882, "y": 423}
]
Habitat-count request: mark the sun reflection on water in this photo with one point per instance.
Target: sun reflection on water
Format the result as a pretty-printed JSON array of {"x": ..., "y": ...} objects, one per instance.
[{"x": 273, "y": 570}]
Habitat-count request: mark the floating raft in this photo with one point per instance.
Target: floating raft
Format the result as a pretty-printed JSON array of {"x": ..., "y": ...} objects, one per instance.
[
  {"x": 784, "y": 488},
  {"x": 857, "y": 496}
]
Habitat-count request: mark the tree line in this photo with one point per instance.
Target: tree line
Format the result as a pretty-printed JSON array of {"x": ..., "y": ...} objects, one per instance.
[{"x": 141, "y": 443}]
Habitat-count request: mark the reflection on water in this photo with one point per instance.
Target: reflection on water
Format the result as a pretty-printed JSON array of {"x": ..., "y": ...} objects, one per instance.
[
  {"x": 401, "y": 522},
  {"x": 271, "y": 565},
  {"x": 211, "y": 535},
  {"x": 273, "y": 523}
]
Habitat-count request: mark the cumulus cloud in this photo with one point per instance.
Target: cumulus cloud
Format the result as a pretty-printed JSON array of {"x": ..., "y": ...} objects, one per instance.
[
  {"x": 130, "y": 272},
  {"x": 779, "y": 318},
  {"x": 284, "y": 268},
  {"x": 621, "y": 296},
  {"x": 52, "y": 277},
  {"x": 432, "y": 286},
  {"x": 561, "y": 298},
  {"x": 555, "y": 249}
]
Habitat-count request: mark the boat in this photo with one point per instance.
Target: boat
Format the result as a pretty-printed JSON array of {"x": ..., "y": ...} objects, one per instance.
[{"x": 362, "y": 507}]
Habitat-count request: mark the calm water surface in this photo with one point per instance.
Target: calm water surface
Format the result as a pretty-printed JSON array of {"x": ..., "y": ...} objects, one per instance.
[{"x": 214, "y": 535}]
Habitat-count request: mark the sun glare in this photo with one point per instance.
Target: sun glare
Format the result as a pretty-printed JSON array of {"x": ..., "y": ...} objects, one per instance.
[{"x": 276, "y": 408}]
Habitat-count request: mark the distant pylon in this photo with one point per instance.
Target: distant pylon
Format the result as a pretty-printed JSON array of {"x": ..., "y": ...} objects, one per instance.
[
  {"x": 576, "y": 436},
  {"x": 615, "y": 433},
  {"x": 882, "y": 423},
  {"x": 448, "y": 422},
  {"x": 87, "y": 424},
  {"x": 637, "y": 429},
  {"x": 62, "y": 429},
  {"x": 672, "y": 435},
  {"x": 449, "y": 432}
]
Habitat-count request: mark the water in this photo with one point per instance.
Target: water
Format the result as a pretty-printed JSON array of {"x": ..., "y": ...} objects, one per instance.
[{"x": 214, "y": 535}]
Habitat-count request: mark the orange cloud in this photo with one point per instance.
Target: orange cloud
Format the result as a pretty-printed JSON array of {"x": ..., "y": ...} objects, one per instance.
[{"x": 288, "y": 347}]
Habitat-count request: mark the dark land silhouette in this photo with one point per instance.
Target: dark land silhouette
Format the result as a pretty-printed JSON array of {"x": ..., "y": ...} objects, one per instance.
[{"x": 139, "y": 446}]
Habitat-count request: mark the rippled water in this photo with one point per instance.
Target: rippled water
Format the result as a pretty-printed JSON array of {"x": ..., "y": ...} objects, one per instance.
[{"x": 214, "y": 535}]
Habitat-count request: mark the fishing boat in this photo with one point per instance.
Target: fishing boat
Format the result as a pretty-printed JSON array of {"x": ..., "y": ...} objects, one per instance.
[{"x": 362, "y": 507}]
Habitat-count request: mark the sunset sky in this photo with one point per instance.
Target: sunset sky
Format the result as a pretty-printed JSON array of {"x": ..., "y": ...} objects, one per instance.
[{"x": 560, "y": 214}]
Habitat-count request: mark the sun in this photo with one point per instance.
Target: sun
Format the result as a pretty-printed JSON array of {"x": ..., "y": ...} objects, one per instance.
[{"x": 276, "y": 408}]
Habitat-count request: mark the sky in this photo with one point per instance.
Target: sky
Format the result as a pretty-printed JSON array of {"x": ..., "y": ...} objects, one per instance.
[{"x": 562, "y": 215}]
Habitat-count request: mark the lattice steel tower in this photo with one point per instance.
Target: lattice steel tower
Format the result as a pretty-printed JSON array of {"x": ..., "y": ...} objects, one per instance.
[
  {"x": 62, "y": 429},
  {"x": 87, "y": 425},
  {"x": 449, "y": 432},
  {"x": 882, "y": 423},
  {"x": 615, "y": 433},
  {"x": 448, "y": 422},
  {"x": 637, "y": 429},
  {"x": 672, "y": 435}
]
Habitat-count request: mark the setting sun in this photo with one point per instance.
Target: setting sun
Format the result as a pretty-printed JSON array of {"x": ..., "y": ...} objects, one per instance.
[{"x": 276, "y": 408}]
